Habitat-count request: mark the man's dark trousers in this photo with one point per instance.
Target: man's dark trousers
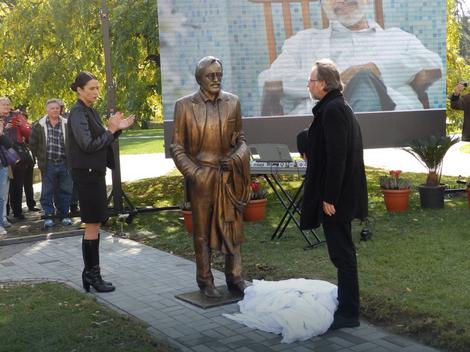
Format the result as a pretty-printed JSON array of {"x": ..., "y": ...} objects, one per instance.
[
  {"x": 28, "y": 186},
  {"x": 343, "y": 255}
]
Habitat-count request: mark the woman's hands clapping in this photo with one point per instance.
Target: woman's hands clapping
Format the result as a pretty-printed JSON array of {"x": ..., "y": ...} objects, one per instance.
[{"x": 117, "y": 122}]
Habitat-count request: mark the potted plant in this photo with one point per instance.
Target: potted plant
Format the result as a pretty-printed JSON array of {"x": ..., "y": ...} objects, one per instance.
[
  {"x": 256, "y": 208},
  {"x": 396, "y": 191},
  {"x": 187, "y": 217},
  {"x": 430, "y": 152}
]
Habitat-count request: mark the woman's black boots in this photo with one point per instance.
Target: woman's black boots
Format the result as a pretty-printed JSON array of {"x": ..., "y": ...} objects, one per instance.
[{"x": 91, "y": 275}]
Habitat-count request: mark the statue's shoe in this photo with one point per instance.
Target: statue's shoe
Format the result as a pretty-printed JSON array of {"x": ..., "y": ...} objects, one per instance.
[
  {"x": 237, "y": 287},
  {"x": 210, "y": 292}
]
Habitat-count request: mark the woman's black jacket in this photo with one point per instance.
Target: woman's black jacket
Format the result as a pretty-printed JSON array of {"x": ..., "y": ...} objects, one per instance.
[{"x": 89, "y": 145}]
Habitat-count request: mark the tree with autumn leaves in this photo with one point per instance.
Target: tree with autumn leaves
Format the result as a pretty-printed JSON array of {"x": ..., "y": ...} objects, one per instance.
[
  {"x": 457, "y": 67},
  {"x": 45, "y": 43}
]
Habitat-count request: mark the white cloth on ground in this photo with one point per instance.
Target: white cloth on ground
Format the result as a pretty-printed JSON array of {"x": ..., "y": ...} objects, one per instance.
[{"x": 296, "y": 308}]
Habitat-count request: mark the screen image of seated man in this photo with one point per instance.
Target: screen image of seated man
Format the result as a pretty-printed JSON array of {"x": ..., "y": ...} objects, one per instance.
[{"x": 378, "y": 66}]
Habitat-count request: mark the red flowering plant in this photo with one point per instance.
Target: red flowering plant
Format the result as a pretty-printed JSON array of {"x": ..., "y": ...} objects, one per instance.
[
  {"x": 257, "y": 191},
  {"x": 394, "y": 181}
]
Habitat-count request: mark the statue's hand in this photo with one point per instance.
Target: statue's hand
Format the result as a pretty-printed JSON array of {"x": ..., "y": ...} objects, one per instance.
[
  {"x": 226, "y": 164},
  {"x": 199, "y": 174}
]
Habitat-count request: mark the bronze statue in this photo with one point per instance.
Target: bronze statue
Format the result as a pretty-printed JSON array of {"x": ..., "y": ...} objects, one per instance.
[{"x": 209, "y": 149}]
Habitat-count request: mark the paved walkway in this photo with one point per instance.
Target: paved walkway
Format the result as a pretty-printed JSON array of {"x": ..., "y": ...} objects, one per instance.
[{"x": 147, "y": 280}]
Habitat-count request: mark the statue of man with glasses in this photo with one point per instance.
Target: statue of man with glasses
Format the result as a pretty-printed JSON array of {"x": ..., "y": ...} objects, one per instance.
[{"x": 209, "y": 149}]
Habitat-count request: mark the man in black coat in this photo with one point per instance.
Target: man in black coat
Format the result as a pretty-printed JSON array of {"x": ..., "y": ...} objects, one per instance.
[{"x": 335, "y": 186}]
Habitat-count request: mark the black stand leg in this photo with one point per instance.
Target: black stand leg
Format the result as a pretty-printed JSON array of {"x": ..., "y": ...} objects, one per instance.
[
  {"x": 291, "y": 205},
  {"x": 133, "y": 211}
]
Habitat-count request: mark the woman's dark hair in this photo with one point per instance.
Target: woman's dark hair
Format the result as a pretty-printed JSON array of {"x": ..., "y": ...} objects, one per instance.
[
  {"x": 302, "y": 142},
  {"x": 81, "y": 80}
]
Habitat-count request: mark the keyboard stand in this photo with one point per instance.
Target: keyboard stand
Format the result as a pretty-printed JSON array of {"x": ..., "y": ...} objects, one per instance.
[{"x": 292, "y": 208}]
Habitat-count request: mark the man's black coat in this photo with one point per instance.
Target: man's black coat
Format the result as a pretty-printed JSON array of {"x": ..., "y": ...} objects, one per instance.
[{"x": 335, "y": 169}]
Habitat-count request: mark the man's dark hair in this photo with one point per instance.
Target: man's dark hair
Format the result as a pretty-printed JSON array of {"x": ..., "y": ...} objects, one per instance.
[
  {"x": 328, "y": 72},
  {"x": 203, "y": 64}
]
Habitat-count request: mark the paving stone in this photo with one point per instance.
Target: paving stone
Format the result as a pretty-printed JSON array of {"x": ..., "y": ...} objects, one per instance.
[
  {"x": 349, "y": 337},
  {"x": 243, "y": 349},
  {"x": 226, "y": 331},
  {"x": 340, "y": 341},
  {"x": 398, "y": 341},
  {"x": 367, "y": 346},
  {"x": 201, "y": 348},
  {"x": 253, "y": 335},
  {"x": 383, "y": 349},
  {"x": 301, "y": 349},
  {"x": 192, "y": 338},
  {"x": 281, "y": 347},
  {"x": 213, "y": 334},
  {"x": 329, "y": 348},
  {"x": 378, "y": 335},
  {"x": 205, "y": 326},
  {"x": 221, "y": 349},
  {"x": 257, "y": 347},
  {"x": 170, "y": 332},
  {"x": 388, "y": 345}
]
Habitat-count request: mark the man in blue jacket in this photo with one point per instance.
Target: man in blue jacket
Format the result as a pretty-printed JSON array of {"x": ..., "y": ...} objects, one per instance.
[{"x": 335, "y": 186}]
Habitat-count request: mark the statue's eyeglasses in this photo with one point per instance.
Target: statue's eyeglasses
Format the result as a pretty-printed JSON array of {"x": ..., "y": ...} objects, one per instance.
[{"x": 213, "y": 75}]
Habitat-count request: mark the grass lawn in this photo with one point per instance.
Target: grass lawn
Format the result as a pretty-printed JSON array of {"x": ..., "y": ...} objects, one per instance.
[
  {"x": 138, "y": 141},
  {"x": 413, "y": 273},
  {"x": 54, "y": 318},
  {"x": 136, "y": 132}
]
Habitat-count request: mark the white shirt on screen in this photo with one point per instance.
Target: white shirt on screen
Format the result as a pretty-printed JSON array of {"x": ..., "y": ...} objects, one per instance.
[{"x": 399, "y": 56}]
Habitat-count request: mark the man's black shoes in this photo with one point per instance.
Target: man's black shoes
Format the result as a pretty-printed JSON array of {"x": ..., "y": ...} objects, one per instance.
[{"x": 343, "y": 322}]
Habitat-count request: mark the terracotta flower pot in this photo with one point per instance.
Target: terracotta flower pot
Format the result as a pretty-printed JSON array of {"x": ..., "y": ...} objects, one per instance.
[
  {"x": 396, "y": 200},
  {"x": 255, "y": 210},
  {"x": 188, "y": 221}
]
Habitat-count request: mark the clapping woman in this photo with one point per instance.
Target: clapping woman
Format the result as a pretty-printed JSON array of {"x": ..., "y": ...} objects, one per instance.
[{"x": 89, "y": 155}]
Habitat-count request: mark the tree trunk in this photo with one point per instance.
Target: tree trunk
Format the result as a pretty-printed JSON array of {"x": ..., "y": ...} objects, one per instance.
[{"x": 432, "y": 179}]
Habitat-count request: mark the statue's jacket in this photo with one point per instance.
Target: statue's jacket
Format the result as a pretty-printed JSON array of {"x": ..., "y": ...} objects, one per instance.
[{"x": 232, "y": 188}]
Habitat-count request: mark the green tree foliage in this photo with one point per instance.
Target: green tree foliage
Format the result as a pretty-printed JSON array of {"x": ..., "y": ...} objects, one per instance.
[
  {"x": 457, "y": 67},
  {"x": 464, "y": 20},
  {"x": 45, "y": 43}
]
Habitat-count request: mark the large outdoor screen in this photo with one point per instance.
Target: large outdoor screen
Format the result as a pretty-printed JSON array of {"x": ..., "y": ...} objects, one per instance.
[{"x": 392, "y": 61}]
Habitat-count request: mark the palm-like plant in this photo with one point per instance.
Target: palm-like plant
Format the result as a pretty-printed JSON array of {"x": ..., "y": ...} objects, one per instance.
[{"x": 430, "y": 153}]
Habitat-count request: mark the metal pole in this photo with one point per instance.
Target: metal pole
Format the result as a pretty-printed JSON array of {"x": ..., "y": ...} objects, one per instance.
[{"x": 111, "y": 106}]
